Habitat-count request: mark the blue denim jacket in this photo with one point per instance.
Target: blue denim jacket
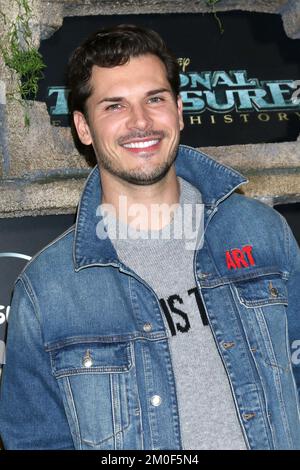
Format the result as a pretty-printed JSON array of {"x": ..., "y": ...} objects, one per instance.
[{"x": 83, "y": 363}]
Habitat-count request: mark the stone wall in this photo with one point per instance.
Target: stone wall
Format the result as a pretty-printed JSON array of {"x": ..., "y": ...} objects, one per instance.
[{"x": 41, "y": 171}]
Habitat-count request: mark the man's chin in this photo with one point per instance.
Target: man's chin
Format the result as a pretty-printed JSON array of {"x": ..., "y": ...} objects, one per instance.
[{"x": 142, "y": 179}]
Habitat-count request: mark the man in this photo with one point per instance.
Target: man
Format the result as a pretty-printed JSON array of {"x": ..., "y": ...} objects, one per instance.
[{"x": 147, "y": 341}]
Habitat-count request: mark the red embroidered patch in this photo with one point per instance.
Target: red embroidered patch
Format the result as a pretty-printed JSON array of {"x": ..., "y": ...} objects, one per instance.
[{"x": 237, "y": 258}]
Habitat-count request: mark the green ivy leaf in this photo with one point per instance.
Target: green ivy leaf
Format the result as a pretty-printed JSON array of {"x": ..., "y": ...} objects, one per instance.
[{"x": 21, "y": 56}]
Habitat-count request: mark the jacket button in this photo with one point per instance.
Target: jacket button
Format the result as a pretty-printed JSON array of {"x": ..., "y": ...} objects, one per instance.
[
  {"x": 147, "y": 327},
  {"x": 273, "y": 290},
  {"x": 155, "y": 400},
  {"x": 87, "y": 360}
]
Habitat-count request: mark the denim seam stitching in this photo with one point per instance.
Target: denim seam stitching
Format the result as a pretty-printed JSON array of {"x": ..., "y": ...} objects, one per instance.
[
  {"x": 265, "y": 419},
  {"x": 74, "y": 411},
  {"x": 137, "y": 389},
  {"x": 143, "y": 347},
  {"x": 262, "y": 324},
  {"x": 245, "y": 277},
  {"x": 72, "y": 372},
  {"x": 265, "y": 416},
  {"x": 113, "y": 404},
  {"x": 29, "y": 291},
  {"x": 104, "y": 340}
]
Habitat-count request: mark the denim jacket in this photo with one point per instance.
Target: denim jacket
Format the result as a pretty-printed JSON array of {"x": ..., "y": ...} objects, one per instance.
[{"x": 87, "y": 348}]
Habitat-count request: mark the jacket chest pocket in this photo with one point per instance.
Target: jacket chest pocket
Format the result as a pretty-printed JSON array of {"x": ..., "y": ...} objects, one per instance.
[
  {"x": 262, "y": 303},
  {"x": 94, "y": 382},
  {"x": 262, "y": 291}
]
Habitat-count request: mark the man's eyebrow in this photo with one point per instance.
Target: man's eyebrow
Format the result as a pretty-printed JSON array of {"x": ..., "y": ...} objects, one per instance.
[
  {"x": 158, "y": 90},
  {"x": 117, "y": 99},
  {"x": 111, "y": 99}
]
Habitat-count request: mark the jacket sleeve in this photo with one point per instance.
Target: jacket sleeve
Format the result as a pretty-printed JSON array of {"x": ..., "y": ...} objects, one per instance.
[
  {"x": 31, "y": 410},
  {"x": 294, "y": 302}
]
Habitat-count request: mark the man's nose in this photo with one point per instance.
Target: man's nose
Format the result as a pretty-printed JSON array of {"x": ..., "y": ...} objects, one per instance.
[{"x": 139, "y": 118}]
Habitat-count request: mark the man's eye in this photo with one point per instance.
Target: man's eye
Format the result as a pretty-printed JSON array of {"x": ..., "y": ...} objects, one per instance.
[
  {"x": 155, "y": 99},
  {"x": 114, "y": 107}
]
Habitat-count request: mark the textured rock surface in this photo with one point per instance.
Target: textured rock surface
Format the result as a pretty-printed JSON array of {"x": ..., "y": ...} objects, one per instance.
[
  {"x": 41, "y": 146},
  {"x": 274, "y": 177},
  {"x": 256, "y": 158},
  {"x": 291, "y": 19},
  {"x": 58, "y": 197}
]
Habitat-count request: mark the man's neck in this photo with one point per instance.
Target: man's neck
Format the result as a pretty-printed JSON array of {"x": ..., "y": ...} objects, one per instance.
[{"x": 144, "y": 207}]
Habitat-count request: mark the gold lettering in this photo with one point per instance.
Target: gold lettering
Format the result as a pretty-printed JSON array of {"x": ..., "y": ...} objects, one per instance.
[
  {"x": 244, "y": 116},
  {"x": 184, "y": 62},
  {"x": 264, "y": 117},
  {"x": 212, "y": 119},
  {"x": 297, "y": 114},
  {"x": 228, "y": 119},
  {"x": 283, "y": 117},
  {"x": 195, "y": 120}
]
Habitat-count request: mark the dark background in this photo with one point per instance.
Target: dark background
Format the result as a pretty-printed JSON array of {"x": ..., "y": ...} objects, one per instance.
[{"x": 255, "y": 42}]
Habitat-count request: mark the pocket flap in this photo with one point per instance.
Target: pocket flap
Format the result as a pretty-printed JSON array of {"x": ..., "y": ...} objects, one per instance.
[
  {"x": 262, "y": 291},
  {"x": 85, "y": 358}
]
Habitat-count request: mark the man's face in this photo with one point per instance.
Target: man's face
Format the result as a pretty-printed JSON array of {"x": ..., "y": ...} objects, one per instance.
[{"x": 134, "y": 120}]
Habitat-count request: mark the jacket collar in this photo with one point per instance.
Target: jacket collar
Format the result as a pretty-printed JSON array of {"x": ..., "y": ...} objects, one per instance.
[{"x": 213, "y": 180}]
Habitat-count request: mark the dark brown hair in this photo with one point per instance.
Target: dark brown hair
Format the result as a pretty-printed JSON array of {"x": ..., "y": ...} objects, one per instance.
[{"x": 111, "y": 47}]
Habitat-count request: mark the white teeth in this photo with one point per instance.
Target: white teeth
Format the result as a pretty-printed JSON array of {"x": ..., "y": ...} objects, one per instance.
[{"x": 140, "y": 145}]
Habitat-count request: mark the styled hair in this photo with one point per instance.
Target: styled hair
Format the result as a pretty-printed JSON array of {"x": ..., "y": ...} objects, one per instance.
[{"x": 109, "y": 48}]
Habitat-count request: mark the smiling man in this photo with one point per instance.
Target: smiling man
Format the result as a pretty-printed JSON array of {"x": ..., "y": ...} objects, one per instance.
[
  {"x": 162, "y": 338},
  {"x": 134, "y": 126}
]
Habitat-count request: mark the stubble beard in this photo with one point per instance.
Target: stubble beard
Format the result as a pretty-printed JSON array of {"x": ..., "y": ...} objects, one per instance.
[{"x": 137, "y": 177}]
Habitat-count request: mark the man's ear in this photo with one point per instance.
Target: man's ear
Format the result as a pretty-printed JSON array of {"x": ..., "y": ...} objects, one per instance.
[
  {"x": 180, "y": 112},
  {"x": 82, "y": 128}
]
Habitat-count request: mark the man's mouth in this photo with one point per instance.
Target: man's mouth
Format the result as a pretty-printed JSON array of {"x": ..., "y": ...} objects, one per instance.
[{"x": 140, "y": 145}]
